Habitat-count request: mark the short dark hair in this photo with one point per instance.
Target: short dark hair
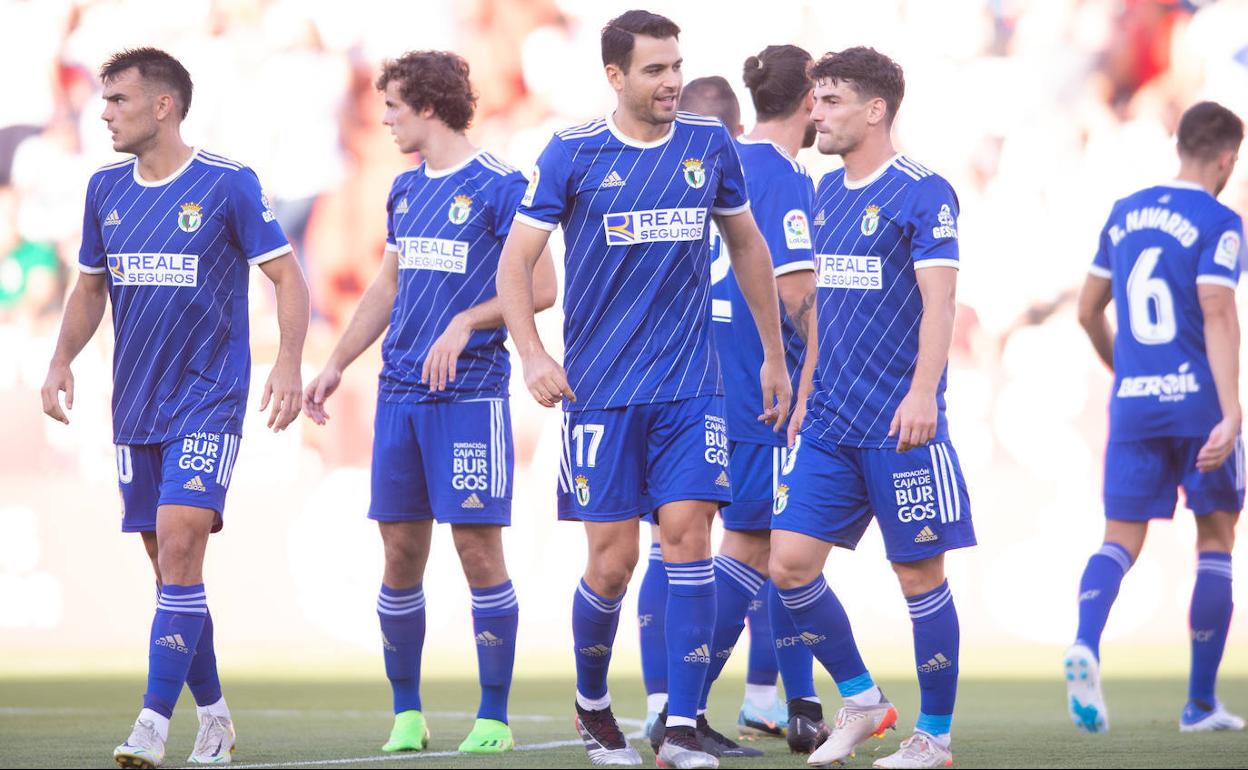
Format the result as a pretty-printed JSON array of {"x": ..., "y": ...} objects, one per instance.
[
  {"x": 713, "y": 96},
  {"x": 434, "y": 79},
  {"x": 1207, "y": 129},
  {"x": 872, "y": 74},
  {"x": 156, "y": 66},
  {"x": 777, "y": 80},
  {"x": 618, "y": 36}
]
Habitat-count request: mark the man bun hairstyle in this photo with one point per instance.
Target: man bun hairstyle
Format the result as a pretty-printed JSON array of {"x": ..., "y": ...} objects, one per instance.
[
  {"x": 434, "y": 79},
  {"x": 870, "y": 73},
  {"x": 1208, "y": 129},
  {"x": 777, "y": 79},
  {"x": 618, "y": 37},
  {"x": 156, "y": 67}
]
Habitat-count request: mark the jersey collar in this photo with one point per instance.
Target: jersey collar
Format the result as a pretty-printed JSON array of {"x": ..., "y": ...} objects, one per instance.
[
  {"x": 162, "y": 182},
  {"x": 858, "y": 184},
  {"x": 618, "y": 134},
  {"x": 1183, "y": 185},
  {"x": 783, "y": 152},
  {"x": 441, "y": 172}
]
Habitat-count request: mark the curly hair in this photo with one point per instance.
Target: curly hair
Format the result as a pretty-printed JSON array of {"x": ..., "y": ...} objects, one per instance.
[
  {"x": 434, "y": 79},
  {"x": 869, "y": 72}
]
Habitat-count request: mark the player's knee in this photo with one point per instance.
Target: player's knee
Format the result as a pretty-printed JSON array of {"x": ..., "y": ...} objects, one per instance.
[
  {"x": 788, "y": 573},
  {"x": 482, "y": 561},
  {"x": 1216, "y": 532},
  {"x": 609, "y": 578},
  {"x": 919, "y": 577}
]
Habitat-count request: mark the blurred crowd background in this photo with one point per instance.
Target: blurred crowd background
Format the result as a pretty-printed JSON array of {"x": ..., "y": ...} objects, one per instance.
[{"x": 1040, "y": 112}]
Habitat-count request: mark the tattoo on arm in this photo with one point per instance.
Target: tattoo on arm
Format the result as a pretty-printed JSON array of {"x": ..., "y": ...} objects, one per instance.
[{"x": 803, "y": 313}]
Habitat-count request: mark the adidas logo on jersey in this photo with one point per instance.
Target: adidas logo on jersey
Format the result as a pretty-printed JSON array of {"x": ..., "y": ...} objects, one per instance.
[
  {"x": 487, "y": 639},
  {"x": 820, "y": 218},
  {"x": 472, "y": 502},
  {"x": 811, "y": 638},
  {"x": 938, "y": 662},
  {"x": 700, "y": 655},
  {"x": 596, "y": 651},
  {"x": 926, "y": 535},
  {"x": 722, "y": 480},
  {"x": 195, "y": 485},
  {"x": 402, "y": 207},
  {"x": 612, "y": 179},
  {"x": 113, "y": 218},
  {"x": 174, "y": 642}
]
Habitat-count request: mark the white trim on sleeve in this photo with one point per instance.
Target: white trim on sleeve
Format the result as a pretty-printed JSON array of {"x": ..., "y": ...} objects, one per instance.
[
  {"x": 731, "y": 212},
  {"x": 793, "y": 267},
  {"x": 280, "y": 251},
  {"x": 90, "y": 270},
  {"x": 525, "y": 219},
  {"x": 1100, "y": 272},
  {"x": 1218, "y": 280},
  {"x": 391, "y": 247},
  {"x": 922, "y": 263}
]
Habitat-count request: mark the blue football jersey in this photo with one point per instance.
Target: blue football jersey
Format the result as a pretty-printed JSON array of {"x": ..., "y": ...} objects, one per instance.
[
  {"x": 1157, "y": 245},
  {"x": 637, "y": 286},
  {"x": 175, "y": 254},
  {"x": 781, "y": 194},
  {"x": 870, "y": 237},
  {"x": 447, "y": 228}
]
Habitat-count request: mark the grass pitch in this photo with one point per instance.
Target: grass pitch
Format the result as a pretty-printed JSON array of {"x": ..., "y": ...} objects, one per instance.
[{"x": 1000, "y": 723}]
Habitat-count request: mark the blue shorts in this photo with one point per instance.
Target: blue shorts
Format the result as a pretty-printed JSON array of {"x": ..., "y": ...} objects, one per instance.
[
  {"x": 1142, "y": 479},
  {"x": 448, "y": 461},
  {"x": 755, "y": 471},
  {"x": 193, "y": 470},
  {"x": 622, "y": 463},
  {"x": 919, "y": 497}
]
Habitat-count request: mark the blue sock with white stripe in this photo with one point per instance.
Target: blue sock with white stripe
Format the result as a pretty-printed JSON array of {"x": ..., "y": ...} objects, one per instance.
[
  {"x": 824, "y": 627},
  {"x": 690, "y": 623},
  {"x": 936, "y": 640},
  {"x": 793, "y": 657},
  {"x": 1097, "y": 591},
  {"x": 495, "y": 617},
  {"x": 1210, "y": 618},
  {"x": 402, "y": 615},
  {"x": 594, "y": 621},
  {"x": 202, "y": 678},
  {"x": 651, "y": 623},
  {"x": 736, "y": 585},
  {"x": 762, "y": 669},
  {"x": 179, "y": 621}
]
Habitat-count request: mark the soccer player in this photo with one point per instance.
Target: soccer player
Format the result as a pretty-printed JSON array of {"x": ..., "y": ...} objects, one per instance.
[
  {"x": 644, "y": 416},
  {"x": 876, "y": 444},
  {"x": 442, "y": 448},
  {"x": 1169, "y": 257},
  {"x": 168, "y": 235}
]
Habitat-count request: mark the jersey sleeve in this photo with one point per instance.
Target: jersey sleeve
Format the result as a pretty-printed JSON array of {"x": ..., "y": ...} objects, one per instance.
[
  {"x": 392, "y": 241},
  {"x": 731, "y": 197},
  {"x": 508, "y": 192},
  {"x": 252, "y": 221},
  {"x": 783, "y": 216},
  {"x": 1101, "y": 267},
  {"x": 1222, "y": 254},
  {"x": 932, "y": 224},
  {"x": 548, "y": 195},
  {"x": 92, "y": 258}
]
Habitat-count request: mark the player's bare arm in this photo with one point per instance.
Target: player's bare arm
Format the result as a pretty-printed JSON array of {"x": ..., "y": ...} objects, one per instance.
[
  {"x": 83, "y": 313},
  {"x": 1094, "y": 297},
  {"x": 516, "y": 281},
  {"x": 751, "y": 263},
  {"x": 1217, "y": 304},
  {"x": 439, "y": 366},
  {"x": 285, "y": 384},
  {"x": 914, "y": 423},
  {"x": 798, "y": 294}
]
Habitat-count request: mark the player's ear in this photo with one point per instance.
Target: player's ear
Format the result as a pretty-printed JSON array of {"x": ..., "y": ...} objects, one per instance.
[
  {"x": 877, "y": 111},
  {"x": 615, "y": 76},
  {"x": 164, "y": 106}
]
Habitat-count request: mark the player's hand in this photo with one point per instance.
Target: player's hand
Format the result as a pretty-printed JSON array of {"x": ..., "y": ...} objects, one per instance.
[
  {"x": 60, "y": 378},
  {"x": 914, "y": 423},
  {"x": 319, "y": 389},
  {"x": 777, "y": 392},
  {"x": 796, "y": 420},
  {"x": 439, "y": 366},
  {"x": 1219, "y": 446},
  {"x": 546, "y": 379},
  {"x": 285, "y": 389}
]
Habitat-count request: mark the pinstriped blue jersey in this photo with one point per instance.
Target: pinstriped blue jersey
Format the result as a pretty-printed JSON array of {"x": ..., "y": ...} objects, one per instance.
[
  {"x": 637, "y": 298},
  {"x": 447, "y": 228},
  {"x": 175, "y": 254},
  {"x": 870, "y": 237},
  {"x": 1156, "y": 247},
  {"x": 781, "y": 196}
]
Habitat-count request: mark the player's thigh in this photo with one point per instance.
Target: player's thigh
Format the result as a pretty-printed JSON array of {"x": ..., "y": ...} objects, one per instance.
[
  {"x": 138, "y": 480},
  {"x": 685, "y": 529},
  {"x": 1142, "y": 478},
  {"x": 822, "y": 494},
  {"x": 920, "y": 501},
  {"x": 196, "y": 471},
  {"x": 755, "y": 472},
  {"x": 467, "y": 455},
  {"x": 398, "y": 489},
  {"x": 1221, "y": 489},
  {"x": 601, "y": 470},
  {"x": 687, "y": 452},
  {"x": 182, "y": 533}
]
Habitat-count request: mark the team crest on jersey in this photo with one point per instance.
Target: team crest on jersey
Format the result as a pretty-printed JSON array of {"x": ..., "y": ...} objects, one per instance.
[
  {"x": 871, "y": 220},
  {"x": 190, "y": 217},
  {"x": 782, "y": 500},
  {"x": 695, "y": 175},
  {"x": 461, "y": 207},
  {"x": 582, "y": 490}
]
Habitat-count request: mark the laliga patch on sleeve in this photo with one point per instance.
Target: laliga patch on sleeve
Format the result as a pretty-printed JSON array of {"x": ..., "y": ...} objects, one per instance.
[
  {"x": 531, "y": 190},
  {"x": 796, "y": 230},
  {"x": 1227, "y": 252}
]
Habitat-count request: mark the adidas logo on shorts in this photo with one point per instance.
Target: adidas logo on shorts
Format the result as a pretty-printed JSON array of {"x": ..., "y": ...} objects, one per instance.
[
  {"x": 936, "y": 663},
  {"x": 701, "y": 655},
  {"x": 472, "y": 502},
  {"x": 596, "y": 651},
  {"x": 195, "y": 485},
  {"x": 612, "y": 180},
  {"x": 486, "y": 639},
  {"x": 926, "y": 535},
  {"x": 723, "y": 481},
  {"x": 173, "y": 642}
]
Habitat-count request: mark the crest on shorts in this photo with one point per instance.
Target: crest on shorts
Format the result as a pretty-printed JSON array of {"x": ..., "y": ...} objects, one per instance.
[
  {"x": 782, "y": 500},
  {"x": 461, "y": 207},
  {"x": 582, "y": 490},
  {"x": 695, "y": 175},
  {"x": 871, "y": 220},
  {"x": 190, "y": 217}
]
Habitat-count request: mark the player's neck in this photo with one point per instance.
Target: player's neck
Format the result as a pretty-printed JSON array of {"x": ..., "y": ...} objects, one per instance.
[
  {"x": 865, "y": 159},
  {"x": 786, "y": 134},
  {"x": 446, "y": 149},
  {"x": 163, "y": 158},
  {"x": 638, "y": 130},
  {"x": 1205, "y": 175}
]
